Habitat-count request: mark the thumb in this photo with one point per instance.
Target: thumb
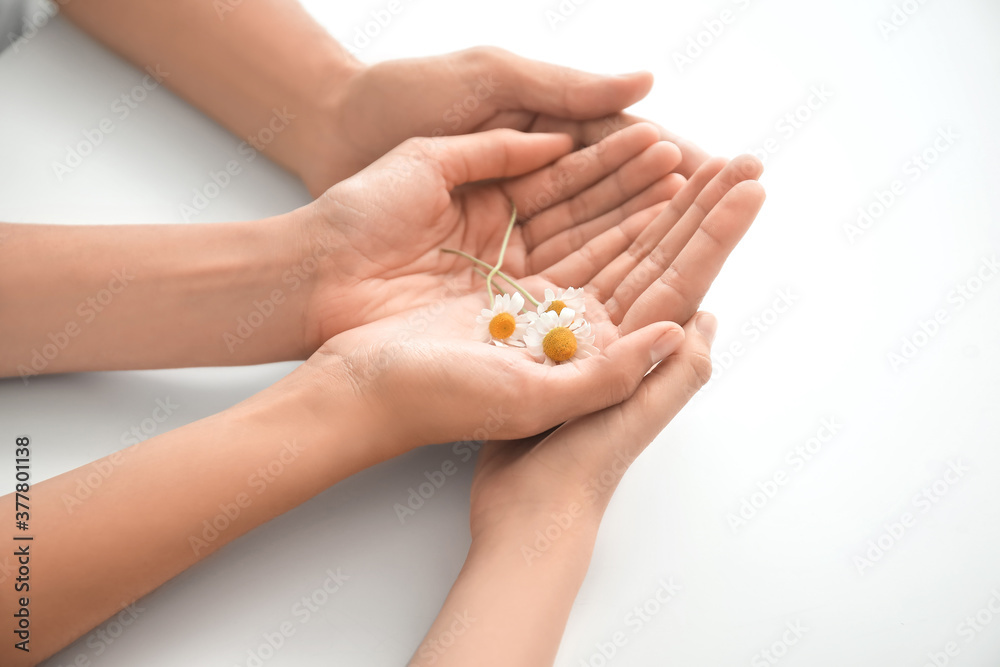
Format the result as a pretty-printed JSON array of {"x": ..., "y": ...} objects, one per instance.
[
  {"x": 498, "y": 153},
  {"x": 567, "y": 93}
]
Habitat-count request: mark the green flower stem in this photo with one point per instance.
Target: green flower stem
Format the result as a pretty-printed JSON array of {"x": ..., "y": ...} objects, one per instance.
[
  {"x": 501, "y": 274},
  {"x": 492, "y": 282},
  {"x": 503, "y": 251}
]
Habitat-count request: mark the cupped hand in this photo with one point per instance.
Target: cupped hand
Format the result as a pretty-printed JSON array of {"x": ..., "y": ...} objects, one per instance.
[
  {"x": 571, "y": 472},
  {"x": 469, "y": 91},
  {"x": 379, "y": 234},
  {"x": 424, "y": 370}
]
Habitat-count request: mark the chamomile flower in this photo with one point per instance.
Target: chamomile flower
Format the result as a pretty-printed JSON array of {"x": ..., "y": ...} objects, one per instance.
[
  {"x": 571, "y": 298},
  {"x": 553, "y": 338},
  {"x": 502, "y": 324}
]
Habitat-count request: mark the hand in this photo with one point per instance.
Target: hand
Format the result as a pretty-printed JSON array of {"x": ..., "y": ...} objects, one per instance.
[
  {"x": 536, "y": 508},
  {"x": 436, "y": 383},
  {"x": 386, "y": 225},
  {"x": 573, "y": 471},
  {"x": 382, "y": 105},
  {"x": 518, "y": 484}
]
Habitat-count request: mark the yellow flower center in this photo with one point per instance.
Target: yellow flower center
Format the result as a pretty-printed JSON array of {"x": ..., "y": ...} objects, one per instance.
[
  {"x": 559, "y": 344},
  {"x": 502, "y": 326},
  {"x": 556, "y": 307}
]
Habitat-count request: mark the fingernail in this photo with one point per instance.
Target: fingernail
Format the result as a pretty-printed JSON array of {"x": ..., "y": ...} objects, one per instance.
[
  {"x": 666, "y": 343},
  {"x": 707, "y": 325}
]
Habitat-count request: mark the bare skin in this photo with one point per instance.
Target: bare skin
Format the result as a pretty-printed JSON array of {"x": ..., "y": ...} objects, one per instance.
[
  {"x": 434, "y": 390},
  {"x": 508, "y": 587},
  {"x": 643, "y": 221},
  {"x": 348, "y": 114},
  {"x": 277, "y": 289}
]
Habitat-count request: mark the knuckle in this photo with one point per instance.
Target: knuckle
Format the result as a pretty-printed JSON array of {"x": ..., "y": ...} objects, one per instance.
[
  {"x": 699, "y": 366},
  {"x": 485, "y": 55},
  {"x": 621, "y": 387}
]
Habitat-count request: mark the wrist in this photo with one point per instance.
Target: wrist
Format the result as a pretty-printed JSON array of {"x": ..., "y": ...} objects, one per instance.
[
  {"x": 319, "y": 403},
  {"x": 322, "y": 151},
  {"x": 562, "y": 532},
  {"x": 268, "y": 289},
  {"x": 346, "y": 381}
]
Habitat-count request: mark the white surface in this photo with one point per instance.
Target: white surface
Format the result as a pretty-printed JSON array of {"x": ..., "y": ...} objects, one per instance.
[{"x": 826, "y": 357}]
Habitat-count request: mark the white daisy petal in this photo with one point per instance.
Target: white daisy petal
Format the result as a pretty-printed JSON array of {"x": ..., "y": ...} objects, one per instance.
[
  {"x": 543, "y": 323},
  {"x": 504, "y": 304}
]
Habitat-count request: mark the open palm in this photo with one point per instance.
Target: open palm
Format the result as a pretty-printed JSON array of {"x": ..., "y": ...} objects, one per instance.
[
  {"x": 652, "y": 268},
  {"x": 692, "y": 236},
  {"x": 389, "y": 222}
]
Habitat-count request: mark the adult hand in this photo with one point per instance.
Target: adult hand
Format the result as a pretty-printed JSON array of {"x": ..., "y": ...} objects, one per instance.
[
  {"x": 379, "y": 234},
  {"x": 377, "y": 107},
  {"x": 427, "y": 374}
]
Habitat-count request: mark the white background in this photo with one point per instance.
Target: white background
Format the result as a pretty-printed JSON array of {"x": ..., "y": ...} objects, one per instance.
[{"x": 826, "y": 357}]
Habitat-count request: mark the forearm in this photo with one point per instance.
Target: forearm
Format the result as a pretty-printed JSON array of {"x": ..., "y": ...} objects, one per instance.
[
  {"x": 237, "y": 61},
  {"x": 170, "y": 501},
  {"x": 510, "y": 604},
  {"x": 79, "y": 298}
]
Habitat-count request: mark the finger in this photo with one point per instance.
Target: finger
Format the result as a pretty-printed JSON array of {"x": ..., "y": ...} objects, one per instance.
[
  {"x": 618, "y": 186},
  {"x": 484, "y": 155},
  {"x": 608, "y": 280},
  {"x": 675, "y": 296},
  {"x": 560, "y": 91},
  {"x": 559, "y": 393},
  {"x": 666, "y": 390},
  {"x": 693, "y": 155},
  {"x": 589, "y": 132},
  {"x": 605, "y": 440},
  {"x": 537, "y": 192},
  {"x": 564, "y": 245},
  {"x": 659, "y": 259},
  {"x": 579, "y": 267}
]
